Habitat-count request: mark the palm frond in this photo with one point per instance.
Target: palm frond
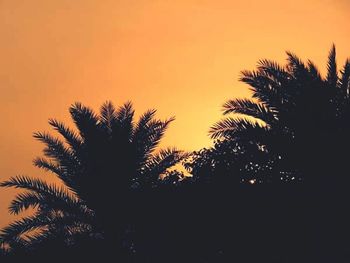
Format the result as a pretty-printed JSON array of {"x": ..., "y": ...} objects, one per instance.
[
  {"x": 145, "y": 118},
  {"x": 23, "y": 201},
  {"x": 332, "y": 73},
  {"x": 86, "y": 121},
  {"x": 148, "y": 132},
  {"x": 72, "y": 139},
  {"x": 52, "y": 167},
  {"x": 156, "y": 130},
  {"x": 125, "y": 112},
  {"x": 41, "y": 224},
  {"x": 48, "y": 165},
  {"x": 13, "y": 231},
  {"x": 295, "y": 65},
  {"x": 55, "y": 149},
  {"x": 265, "y": 89},
  {"x": 345, "y": 78},
  {"x": 231, "y": 127},
  {"x": 273, "y": 70},
  {"x": 159, "y": 163},
  {"x": 45, "y": 193},
  {"x": 108, "y": 115},
  {"x": 27, "y": 183},
  {"x": 250, "y": 108},
  {"x": 47, "y": 203},
  {"x": 315, "y": 73},
  {"x": 148, "y": 137},
  {"x": 39, "y": 236},
  {"x": 123, "y": 128}
]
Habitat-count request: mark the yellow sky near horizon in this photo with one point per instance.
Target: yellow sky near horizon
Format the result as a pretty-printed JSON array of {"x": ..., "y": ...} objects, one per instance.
[{"x": 181, "y": 57}]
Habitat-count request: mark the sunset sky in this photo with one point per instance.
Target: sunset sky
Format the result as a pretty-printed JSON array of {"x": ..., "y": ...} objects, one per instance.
[{"x": 182, "y": 57}]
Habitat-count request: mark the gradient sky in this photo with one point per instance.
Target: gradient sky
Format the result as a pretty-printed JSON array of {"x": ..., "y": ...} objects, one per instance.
[{"x": 182, "y": 57}]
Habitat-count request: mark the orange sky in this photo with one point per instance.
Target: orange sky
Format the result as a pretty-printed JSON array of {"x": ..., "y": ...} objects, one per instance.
[{"x": 182, "y": 57}]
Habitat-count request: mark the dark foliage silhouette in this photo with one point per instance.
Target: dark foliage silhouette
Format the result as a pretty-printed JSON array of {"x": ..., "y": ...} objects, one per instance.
[
  {"x": 297, "y": 120},
  {"x": 273, "y": 188},
  {"x": 110, "y": 157},
  {"x": 288, "y": 146}
]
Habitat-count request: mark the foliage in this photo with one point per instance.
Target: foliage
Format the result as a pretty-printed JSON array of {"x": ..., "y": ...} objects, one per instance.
[
  {"x": 108, "y": 157},
  {"x": 296, "y": 119}
]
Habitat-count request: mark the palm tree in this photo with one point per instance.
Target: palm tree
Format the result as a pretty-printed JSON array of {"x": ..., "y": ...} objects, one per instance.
[
  {"x": 296, "y": 116},
  {"x": 101, "y": 165}
]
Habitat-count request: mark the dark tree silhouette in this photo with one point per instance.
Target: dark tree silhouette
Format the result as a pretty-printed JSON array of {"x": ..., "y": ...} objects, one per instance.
[
  {"x": 110, "y": 157},
  {"x": 288, "y": 146},
  {"x": 272, "y": 189},
  {"x": 297, "y": 117}
]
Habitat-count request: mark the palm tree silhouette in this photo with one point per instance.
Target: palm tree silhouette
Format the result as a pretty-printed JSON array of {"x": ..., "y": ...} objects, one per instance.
[
  {"x": 101, "y": 165},
  {"x": 296, "y": 116}
]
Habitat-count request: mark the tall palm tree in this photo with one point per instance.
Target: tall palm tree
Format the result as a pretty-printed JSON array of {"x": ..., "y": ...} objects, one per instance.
[
  {"x": 109, "y": 157},
  {"x": 295, "y": 115}
]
